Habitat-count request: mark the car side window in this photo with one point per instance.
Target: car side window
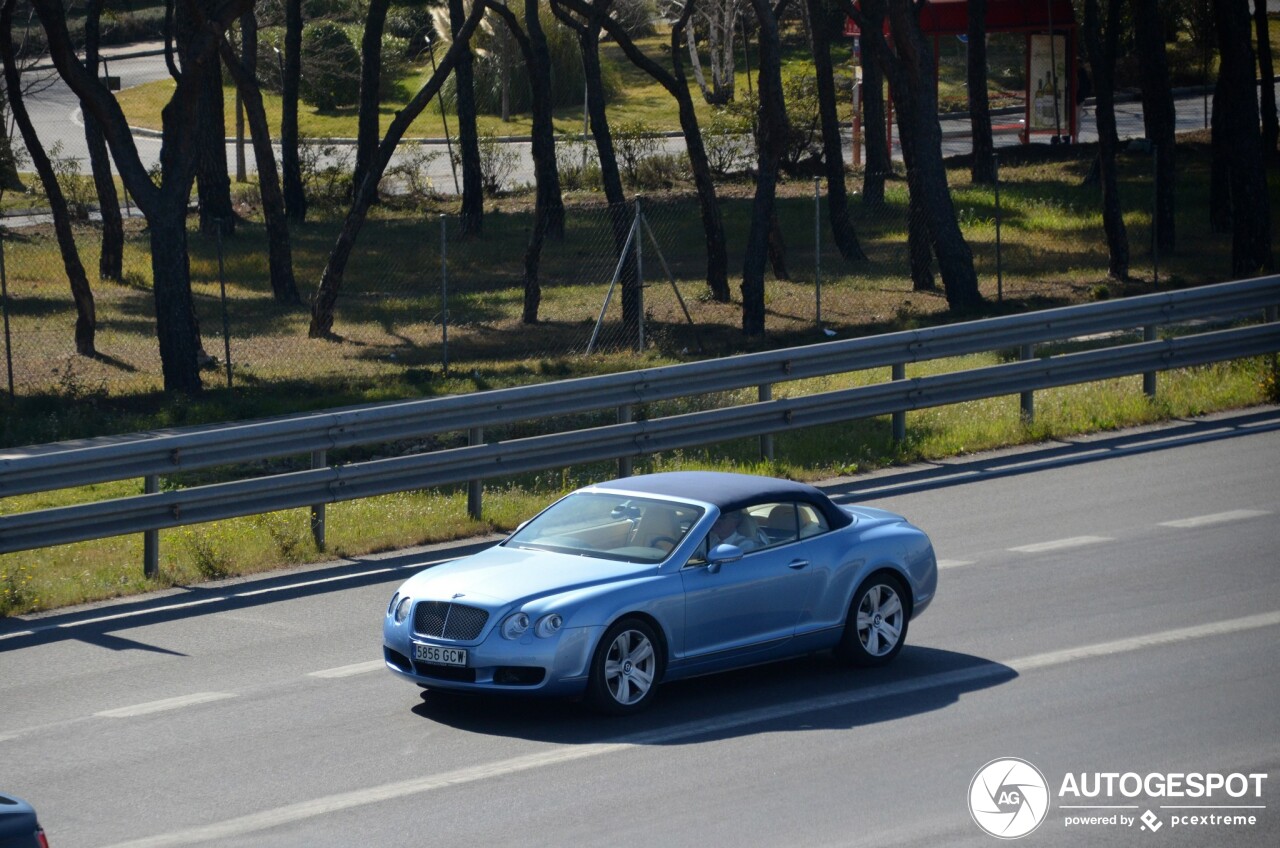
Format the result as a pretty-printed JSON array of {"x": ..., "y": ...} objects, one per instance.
[{"x": 812, "y": 521}]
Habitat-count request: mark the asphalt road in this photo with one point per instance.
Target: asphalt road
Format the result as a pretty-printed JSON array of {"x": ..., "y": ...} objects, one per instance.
[{"x": 1105, "y": 605}]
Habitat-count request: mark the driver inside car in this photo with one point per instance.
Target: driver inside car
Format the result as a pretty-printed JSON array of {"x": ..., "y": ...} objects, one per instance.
[{"x": 735, "y": 528}]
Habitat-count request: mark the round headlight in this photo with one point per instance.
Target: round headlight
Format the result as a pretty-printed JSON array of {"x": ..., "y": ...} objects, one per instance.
[
  {"x": 391, "y": 607},
  {"x": 515, "y": 625},
  {"x": 548, "y": 625},
  {"x": 402, "y": 611}
]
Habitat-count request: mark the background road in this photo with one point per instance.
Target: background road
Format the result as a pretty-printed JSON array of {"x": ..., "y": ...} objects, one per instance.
[
  {"x": 1105, "y": 605},
  {"x": 55, "y": 111}
]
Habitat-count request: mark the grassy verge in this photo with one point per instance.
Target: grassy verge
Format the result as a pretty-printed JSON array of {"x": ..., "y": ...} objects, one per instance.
[{"x": 64, "y": 575}]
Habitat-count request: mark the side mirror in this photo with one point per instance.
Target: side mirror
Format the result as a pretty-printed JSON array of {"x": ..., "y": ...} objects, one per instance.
[{"x": 721, "y": 554}]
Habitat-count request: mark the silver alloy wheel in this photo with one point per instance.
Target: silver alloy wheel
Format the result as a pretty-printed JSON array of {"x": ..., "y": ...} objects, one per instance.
[
  {"x": 880, "y": 619},
  {"x": 630, "y": 667}
]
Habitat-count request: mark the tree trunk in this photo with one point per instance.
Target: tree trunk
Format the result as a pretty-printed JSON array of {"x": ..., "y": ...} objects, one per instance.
[
  {"x": 1158, "y": 113},
  {"x": 295, "y": 195},
  {"x": 772, "y": 134},
  {"x": 832, "y": 146},
  {"x": 279, "y": 250},
  {"x": 1250, "y": 206},
  {"x": 176, "y": 328},
  {"x": 620, "y": 213},
  {"x": 468, "y": 135},
  {"x": 367, "y": 130},
  {"x": 1219, "y": 163},
  {"x": 111, "y": 257},
  {"x": 81, "y": 294},
  {"x": 878, "y": 165},
  {"x": 1102, "y": 58},
  {"x": 165, "y": 205},
  {"x": 326, "y": 295},
  {"x": 548, "y": 209},
  {"x": 911, "y": 71},
  {"x": 1266, "y": 70},
  {"x": 213, "y": 182},
  {"x": 983, "y": 167},
  {"x": 678, "y": 87}
]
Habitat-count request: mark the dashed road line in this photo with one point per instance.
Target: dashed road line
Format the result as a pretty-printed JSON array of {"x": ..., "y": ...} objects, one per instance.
[
  {"x": 165, "y": 704},
  {"x": 1215, "y": 518},
  {"x": 348, "y": 670},
  {"x": 1061, "y": 544}
]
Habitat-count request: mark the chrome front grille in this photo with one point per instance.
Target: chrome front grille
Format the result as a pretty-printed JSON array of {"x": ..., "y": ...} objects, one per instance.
[{"x": 444, "y": 620}]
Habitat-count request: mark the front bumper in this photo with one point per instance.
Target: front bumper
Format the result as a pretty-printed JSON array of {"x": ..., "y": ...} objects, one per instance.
[{"x": 557, "y": 666}]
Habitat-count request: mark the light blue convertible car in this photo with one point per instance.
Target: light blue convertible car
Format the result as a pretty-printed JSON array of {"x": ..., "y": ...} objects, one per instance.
[{"x": 622, "y": 585}]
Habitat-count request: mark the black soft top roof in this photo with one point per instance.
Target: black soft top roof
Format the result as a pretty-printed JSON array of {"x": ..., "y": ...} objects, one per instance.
[{"x": 729, "y": 491}]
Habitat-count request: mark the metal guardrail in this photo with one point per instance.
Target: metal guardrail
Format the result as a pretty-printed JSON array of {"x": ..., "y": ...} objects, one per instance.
[{"x": 72, "y": 464}]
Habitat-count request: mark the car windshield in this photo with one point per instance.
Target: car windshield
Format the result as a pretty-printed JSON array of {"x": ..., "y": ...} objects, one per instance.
[{"x": 608, "y": 526}]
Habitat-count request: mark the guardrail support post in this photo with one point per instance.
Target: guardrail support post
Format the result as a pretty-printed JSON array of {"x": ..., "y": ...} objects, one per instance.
[
  {"x": 475, "y": 488},
  {"x": 899, "y": 418},
  {"x": 319, "y": 459},
  {"x": 151, "y": 538},
  {"x": 1028, "y": 399},
  {"x": 765, "y": 393},
  {"x": 625, "y": 467},
  {"x": 1149, "y": 377}
]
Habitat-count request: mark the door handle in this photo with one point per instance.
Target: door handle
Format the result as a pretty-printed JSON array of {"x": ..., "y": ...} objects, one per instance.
[{"x": 798, "y": 564}]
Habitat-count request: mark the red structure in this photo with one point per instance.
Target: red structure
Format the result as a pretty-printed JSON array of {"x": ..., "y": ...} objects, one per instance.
[{"x": 1050, "y": 29}]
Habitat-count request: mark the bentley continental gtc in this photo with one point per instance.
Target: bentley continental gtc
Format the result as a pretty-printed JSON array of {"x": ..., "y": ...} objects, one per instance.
[{"x": 620, "y": 586}]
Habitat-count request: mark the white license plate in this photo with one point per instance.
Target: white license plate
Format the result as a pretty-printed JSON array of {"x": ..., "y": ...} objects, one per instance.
[{"x": 440, "y": 656}]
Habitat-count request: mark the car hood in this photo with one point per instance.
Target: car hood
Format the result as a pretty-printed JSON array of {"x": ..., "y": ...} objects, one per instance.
[{"x": 500, "y": 576}]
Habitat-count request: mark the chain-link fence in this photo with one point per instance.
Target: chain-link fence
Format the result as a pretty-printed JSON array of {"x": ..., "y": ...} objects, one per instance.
[{"x": 421, "y": 296}]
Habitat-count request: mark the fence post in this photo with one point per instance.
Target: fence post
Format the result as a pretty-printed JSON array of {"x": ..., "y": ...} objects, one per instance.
[
  {"x": 444, "y": 295},
  {"x": 765, "y": 393},
  {"x": 624, "y": 462},
  {"x": 319, "y": 459},
  {"x": 817, "y": 250},
  {"x": 475, "y": 488},
  {"x": 995, "y": 158},
  {"x": 226, "y": 320},
  {"x": 1155, "y": 226},
  {"x": 639, "y": 278},
  {"x": 151, "y": 538},
  {"x": 8, "y": 338},
  {"x": 899, "y": 418},
  {"x": 1149, "y": 377},
  {"x": 1028, "y": 399}
]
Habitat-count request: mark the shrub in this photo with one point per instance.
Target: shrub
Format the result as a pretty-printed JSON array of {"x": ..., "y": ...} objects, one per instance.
[{"x": 330, "y": 67}]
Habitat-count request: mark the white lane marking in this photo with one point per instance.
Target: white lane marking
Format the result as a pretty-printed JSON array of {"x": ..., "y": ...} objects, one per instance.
[
  {"x": 1215, "y": 518},
  {"x": 349, "y": 670},
  {"x": 304, "y": 810},
  {"x": 1061, "y": 544},
  {"x": 165, "y": 704},
  {"x": 954, "y": 563}
]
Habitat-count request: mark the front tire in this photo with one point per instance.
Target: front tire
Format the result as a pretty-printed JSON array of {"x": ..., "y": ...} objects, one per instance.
[
  {"x": 626, "y": 669},
  {"x": 876, "y": 627}
]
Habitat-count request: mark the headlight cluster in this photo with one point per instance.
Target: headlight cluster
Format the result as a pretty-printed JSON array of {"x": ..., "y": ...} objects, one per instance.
[
  {"x": 399, "y": 607},
  {"x": 517, "y": 624}
]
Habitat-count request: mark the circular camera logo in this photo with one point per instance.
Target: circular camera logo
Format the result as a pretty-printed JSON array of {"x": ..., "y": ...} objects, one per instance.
[{"x": 1008, "y": 798}]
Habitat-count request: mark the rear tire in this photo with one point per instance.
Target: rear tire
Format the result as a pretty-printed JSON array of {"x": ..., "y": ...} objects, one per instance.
[
  {"x": 626, "y": 669},
  {"x": 876, "y": 626}
]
